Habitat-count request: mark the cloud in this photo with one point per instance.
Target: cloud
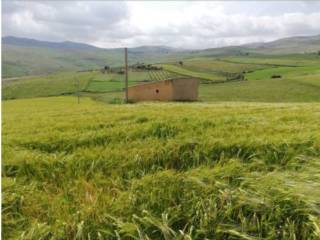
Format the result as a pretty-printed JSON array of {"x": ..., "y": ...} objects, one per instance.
[
  {"x": 180, "y": 24},
  {"x": 61, "y": 20}
]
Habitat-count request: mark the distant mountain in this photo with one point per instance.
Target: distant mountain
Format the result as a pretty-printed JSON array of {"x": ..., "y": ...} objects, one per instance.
[
  {"x": 27, "y": 42},
  {"x": 301, "y": 44},
  {"x": 291, "y": 45},
  {"x": 23, "y": 56}
]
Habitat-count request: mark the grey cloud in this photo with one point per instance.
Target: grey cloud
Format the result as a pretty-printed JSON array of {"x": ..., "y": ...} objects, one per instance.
[
  {"x": 82, "y": 13},
  {"x": 72, "y": 20},
  {"x": 109, "y": 23},
  {"x": 271, "y": 8},
  {"x": 9, "y": 7}
]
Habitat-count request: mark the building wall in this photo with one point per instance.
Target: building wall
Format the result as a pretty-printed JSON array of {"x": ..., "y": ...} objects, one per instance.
[
  {"x": 161, "y": 91},
  {"x": 184, "y": 89}
]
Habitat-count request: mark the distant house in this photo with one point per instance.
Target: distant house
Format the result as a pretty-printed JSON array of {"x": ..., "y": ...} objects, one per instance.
[{"x": 180, "y": 89}]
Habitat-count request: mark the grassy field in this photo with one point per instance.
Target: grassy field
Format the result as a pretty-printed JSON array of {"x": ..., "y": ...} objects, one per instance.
[
  {"x": 299, "y": 82},
  {"x": 276, "y": 60},
  {"x": 219, "y": 66},
  {"x": 285, "y": 72},
  {"x": 160, "y": 171},
  {"x": 293, "y": 89},
  {"x": 112, "y": 82},
  {"x": 191, "y": 73},
  {"x": 50, "y": 85},
  {"x": 22, "y": 57},
  {"x": 67, "y": 83}
]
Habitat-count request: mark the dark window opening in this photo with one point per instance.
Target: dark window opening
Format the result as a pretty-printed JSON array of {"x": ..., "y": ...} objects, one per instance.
[{"x": 157, "y": 90}]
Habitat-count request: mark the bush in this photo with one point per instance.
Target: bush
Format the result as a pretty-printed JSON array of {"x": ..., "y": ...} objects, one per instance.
[{"x": 276, "y": 76}]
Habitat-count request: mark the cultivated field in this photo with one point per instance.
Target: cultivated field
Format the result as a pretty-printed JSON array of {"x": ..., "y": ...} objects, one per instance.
[
  {"x": 160, "y": 171},
  {"x": 42, "y": 86},
  {"x": 241, "y": 163},
  {"x": 220, "y": 77}
]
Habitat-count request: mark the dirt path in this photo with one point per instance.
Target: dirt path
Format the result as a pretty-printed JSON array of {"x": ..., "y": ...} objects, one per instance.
[{"x": 16, "y": 78}]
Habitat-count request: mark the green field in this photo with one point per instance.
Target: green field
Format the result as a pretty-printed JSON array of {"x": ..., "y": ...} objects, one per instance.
[
  {"x": 276, "y": 60},
  {"x": 23, "y": 57},
  {"x": 241, "y": 163},
  {"x": 160, "y": 170},
  {"x": 91, "y": 83},
  {"x": 293, "y": 89},
  {"x": 285, "y": 72},
  {"x": 299, "y": 82},
  {"x": 219, "y": 66},
  {"x": 191, "y": 73},
  {"x": 51, "y": 85},
  {"x": 111, "y": 82}
]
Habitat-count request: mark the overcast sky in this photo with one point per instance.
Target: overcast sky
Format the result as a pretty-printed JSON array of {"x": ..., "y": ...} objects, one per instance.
[{"x": 190, "y": 24}]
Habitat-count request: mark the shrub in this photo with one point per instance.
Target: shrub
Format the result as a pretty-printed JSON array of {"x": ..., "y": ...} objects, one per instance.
[{"x": 276, "y": 76}]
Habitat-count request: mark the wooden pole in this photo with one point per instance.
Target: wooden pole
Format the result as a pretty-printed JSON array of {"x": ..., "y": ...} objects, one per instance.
[
  {"x": 126, "y": 70},
  {"x": 78, "y": 91}
]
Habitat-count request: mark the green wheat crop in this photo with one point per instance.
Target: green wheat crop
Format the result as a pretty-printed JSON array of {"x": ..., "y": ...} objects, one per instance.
[{"x": 160, "y": 170}]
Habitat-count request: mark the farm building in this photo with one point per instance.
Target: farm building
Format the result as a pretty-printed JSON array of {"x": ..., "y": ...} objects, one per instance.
[{"x": 180, "y": 89}]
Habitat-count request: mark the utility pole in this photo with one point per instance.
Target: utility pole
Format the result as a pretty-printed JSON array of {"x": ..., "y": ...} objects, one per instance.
[
  {"x": 126, "y": 70},
  {"x": 78, "y": 90}
]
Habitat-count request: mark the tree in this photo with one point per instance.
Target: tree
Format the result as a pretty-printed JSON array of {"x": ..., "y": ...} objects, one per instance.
[{"x": 181, "y": 63}]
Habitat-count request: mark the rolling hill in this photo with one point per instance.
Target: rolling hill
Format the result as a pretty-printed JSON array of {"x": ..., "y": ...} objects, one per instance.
[
  {"x": 289, "y": 45},
  {"x": 26, "y": 42},
  {"x": 22, "y": 56}
]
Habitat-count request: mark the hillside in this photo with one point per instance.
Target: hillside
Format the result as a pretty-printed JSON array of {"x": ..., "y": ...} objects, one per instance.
[
  {"x": 299, "y": 82},
  {"x": 291, "y": 45},
  {"x": 26, "y": 42},
  {"x": 22, "y": 56},
  {"x": 21, "y": 61},
  {"x": 288, "y": 45}
]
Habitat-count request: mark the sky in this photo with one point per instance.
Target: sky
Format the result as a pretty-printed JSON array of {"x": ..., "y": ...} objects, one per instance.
[{"x": 182, "y": 24}]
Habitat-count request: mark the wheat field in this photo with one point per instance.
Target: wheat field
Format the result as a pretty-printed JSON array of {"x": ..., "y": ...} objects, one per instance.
[{"x": 160, "y": 170}]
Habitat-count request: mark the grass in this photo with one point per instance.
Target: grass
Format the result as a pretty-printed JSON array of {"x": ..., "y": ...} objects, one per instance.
[
  {"x": 299, "y": 82},
  {"x": 219, "y": 66},
  {"x": 191, "y": 73},
  {"x": 295, "y": 89},
  {"x": 276, "y": 60},
  {"x": 51, "y": 85},
  {"x": 91, "y": 83},
  {"x": 111, "y": 82},
  {"x": 160, "y": 171},
  {"x": 285, "y": 72}
]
